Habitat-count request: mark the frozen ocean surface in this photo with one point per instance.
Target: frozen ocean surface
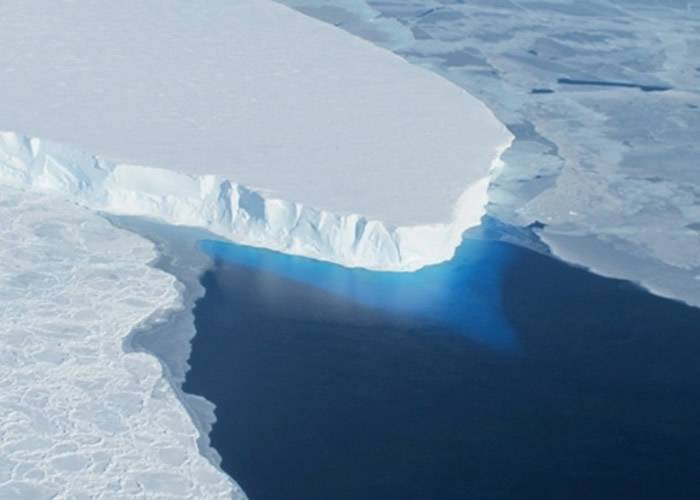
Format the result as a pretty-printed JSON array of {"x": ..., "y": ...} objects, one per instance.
[
  {"x": 610, "y": 172},
  {"x": 82, "y": 418}
]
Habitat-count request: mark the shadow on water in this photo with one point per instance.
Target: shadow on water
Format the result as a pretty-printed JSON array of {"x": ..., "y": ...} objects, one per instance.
[{"x": 333, "y": 384}]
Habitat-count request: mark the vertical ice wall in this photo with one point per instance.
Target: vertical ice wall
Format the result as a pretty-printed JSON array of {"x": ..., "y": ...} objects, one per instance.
[
  {"x": 346, "y": 151},
  {"x": 233, "y": 211}
]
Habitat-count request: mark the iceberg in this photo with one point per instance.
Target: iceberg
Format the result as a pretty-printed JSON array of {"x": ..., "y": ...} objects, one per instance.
[{"x": 306, "y": 139}]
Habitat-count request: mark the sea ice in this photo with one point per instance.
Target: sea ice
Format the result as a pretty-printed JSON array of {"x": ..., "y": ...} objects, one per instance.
[{"x": 82, "y": 418}]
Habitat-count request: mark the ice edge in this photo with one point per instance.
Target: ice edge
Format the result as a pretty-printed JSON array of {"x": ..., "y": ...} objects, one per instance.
[
  {"x": 235, "y": 212},
  {"x": 200, "y": 410}
]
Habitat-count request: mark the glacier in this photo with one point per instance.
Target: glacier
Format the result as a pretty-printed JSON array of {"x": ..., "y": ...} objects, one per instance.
[{"x": 305, "y": 139}]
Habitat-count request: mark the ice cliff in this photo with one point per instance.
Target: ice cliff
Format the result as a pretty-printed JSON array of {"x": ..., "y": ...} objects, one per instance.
[
  {"x": 276, "y": 129},
  {"x": 233, "y": 211}
]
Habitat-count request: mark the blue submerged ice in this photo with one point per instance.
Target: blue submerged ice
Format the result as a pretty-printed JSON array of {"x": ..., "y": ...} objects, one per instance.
[
  {"x": 319, "y": 397},
  {"x": 462, "y": 295}
]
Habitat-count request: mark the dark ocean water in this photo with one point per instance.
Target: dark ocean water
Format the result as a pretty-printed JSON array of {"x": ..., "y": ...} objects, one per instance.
[{"x": 502, "y": 374}]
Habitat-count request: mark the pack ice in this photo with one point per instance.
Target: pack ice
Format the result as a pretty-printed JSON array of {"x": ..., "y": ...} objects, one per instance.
[
  {"x": 247, "y": 118},
  {"x": 80, "y": 417}
]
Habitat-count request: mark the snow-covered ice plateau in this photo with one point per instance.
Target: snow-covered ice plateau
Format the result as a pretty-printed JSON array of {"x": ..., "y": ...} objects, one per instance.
[
  {"x": 342, "y": 146},
  {"x": 82, "y": 418}
]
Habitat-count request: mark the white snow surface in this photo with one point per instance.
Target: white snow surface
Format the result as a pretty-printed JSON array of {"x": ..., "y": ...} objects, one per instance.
[
  {"x": 253, "y": 92},
  {"x": 80, "y": 417}
]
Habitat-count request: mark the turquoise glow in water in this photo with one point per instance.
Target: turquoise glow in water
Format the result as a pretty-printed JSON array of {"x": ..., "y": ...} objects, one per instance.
[
  {"x": 462, "y": 295},
  {"x": 327, "y": 386}
]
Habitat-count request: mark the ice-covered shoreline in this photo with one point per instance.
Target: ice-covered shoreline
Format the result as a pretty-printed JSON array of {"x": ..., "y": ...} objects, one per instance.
[
  {"x": 82, "y": 417},
  {"x": 241, "y": 214},
  {"x": 168, "y": 336}
]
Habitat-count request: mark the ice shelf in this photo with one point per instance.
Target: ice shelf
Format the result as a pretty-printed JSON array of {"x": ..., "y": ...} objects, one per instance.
[{"x": 257, "y": 94}]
